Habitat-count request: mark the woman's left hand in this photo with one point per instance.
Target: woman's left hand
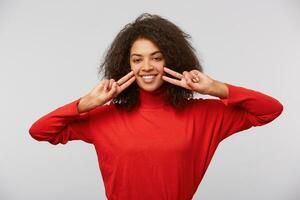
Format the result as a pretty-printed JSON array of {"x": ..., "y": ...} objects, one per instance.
[{"x": 193, "y": 80}]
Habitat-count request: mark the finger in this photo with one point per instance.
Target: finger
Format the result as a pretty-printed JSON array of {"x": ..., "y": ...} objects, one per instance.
[
  {"x": 195, "y": 80},
  {"x": 171, "y": 80},
  {"x": 125, "y": 78},
  {"x": 106, "y": 84},
  {"x": 173, "y": 73},
  {"x": 188, "y": 77},
  {"x": 113, "y": 90},
  {"x": 126, "y": 84},
  {"x": 188, "y": 81},
  {"x": 176, "y": 82},
  {"x": 187, "y": 74},
  {"x": 195, "y": 76},
  {"x": 195, "y": 72},
  {"x": 110, "y": 83}
]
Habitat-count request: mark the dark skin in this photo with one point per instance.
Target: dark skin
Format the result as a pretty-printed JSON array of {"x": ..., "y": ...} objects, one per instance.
[
  {"x": 197, "y": 81},
  {"x": 104, "y": 92},
  {"x": 193, "y": 80}
]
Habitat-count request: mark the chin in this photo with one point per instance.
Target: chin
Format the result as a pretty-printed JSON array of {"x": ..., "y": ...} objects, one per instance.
[{"x": 150, "y": 88}]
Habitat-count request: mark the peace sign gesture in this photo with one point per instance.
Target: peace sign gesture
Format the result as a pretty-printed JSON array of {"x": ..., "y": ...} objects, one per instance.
[
  {"x": 193, "y": 80},
  {"x": 105, "y": 91}
]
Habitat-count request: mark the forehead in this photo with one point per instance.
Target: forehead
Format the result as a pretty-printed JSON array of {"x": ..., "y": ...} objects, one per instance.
[{"x": 144, "y": 47}]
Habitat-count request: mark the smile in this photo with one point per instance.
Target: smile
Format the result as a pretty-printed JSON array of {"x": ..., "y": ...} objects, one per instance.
[{"x": 148, "y": 78}]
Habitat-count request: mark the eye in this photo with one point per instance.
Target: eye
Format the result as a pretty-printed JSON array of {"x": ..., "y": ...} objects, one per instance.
[
  {"x": 136, "y": 60},
  {"x": 157, "y": 58}
]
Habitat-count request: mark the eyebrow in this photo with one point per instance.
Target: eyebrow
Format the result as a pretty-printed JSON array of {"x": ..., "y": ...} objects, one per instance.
[{"x": 155, "y": 52}]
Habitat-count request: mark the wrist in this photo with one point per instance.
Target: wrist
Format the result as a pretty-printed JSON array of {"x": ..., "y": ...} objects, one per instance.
[
  {"x": 218, "y": 89},
  {"x": 86, "y": 103}
]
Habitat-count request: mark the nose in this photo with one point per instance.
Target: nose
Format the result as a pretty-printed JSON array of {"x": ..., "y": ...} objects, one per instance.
[{"x": 147, "y": 66}]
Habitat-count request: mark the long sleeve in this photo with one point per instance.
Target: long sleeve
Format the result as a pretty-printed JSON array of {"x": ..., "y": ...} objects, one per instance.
[
  {"x": 62, "y": 125},
  {"x": 244, "y": 108}
]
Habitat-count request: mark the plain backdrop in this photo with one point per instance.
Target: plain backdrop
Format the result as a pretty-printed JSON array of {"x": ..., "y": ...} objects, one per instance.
[{"x": 49, "y": 55}]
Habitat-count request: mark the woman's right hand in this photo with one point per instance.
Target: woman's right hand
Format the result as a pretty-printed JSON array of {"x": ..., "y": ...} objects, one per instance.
[{"x": 104, "y": 92}]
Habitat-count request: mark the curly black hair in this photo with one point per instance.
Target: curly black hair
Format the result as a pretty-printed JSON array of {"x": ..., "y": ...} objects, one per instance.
[{"x": 175, "y": 46}]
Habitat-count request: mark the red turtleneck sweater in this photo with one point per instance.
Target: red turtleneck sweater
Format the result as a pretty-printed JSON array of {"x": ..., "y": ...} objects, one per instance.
[{"x": 157, "y": 152}]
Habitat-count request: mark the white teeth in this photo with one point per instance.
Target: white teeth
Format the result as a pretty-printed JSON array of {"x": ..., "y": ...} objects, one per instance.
[{"x": 148, "y": 77}]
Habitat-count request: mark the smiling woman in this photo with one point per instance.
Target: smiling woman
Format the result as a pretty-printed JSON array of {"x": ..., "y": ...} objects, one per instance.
[
  {"x": 134, "y": 48},
  {"x": 161, "y": 145},
  {"x": 147, "y": 64}
]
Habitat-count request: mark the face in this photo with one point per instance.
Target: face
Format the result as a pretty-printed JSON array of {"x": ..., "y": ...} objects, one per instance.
[{"x": 147, "y": 63}]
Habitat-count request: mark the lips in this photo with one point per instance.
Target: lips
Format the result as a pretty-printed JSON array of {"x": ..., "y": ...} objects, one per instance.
[
  {"x": 148, "y": 74},
  {"x": 148, "y": 78}
]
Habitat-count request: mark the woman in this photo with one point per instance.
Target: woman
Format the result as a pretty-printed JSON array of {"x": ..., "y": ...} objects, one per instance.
[{"x": 153, "y": 140}]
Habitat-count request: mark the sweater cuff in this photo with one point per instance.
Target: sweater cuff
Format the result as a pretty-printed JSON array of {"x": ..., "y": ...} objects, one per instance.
[
  {"x": 235, "y": 93},
  {"x": 73, "y": 109}
]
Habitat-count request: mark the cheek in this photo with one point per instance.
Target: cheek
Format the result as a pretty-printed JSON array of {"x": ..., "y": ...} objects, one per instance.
[
  {"x": 135, "y": 68},
  {"x": 160, "y": 67}
]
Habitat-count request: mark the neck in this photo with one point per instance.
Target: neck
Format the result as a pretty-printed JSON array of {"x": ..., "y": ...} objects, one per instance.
[{"x": 152, "y": 99}]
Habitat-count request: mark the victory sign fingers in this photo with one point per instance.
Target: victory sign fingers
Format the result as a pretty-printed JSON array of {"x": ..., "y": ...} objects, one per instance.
[{"x": 192, "y": 80}]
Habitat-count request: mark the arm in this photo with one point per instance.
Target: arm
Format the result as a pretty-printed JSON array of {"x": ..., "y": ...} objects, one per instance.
[
  {"x": 237, "y": 108},
  {"x": 62, "y": 124},
  {"x": 218, "y": 89},
  {"x": 72, "y": 121},
  {"x": 243, "y": 108}
]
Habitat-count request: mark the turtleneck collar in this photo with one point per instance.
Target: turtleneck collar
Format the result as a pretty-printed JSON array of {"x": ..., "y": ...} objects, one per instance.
[{"x": 152, "y": 100}]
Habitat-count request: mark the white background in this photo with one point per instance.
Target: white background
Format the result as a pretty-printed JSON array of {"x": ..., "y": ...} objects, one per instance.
[{"x": 49, "y": 54}]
